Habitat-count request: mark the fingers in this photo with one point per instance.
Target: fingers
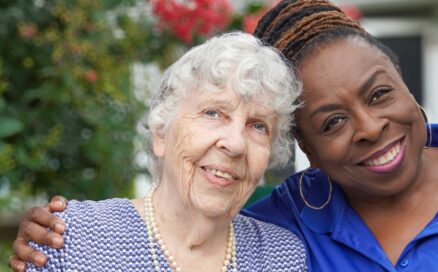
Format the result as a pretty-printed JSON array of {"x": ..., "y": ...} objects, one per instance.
[
  {"x": 37, "y": 225},
  {"x": 40, "y": 235},
  {"x": 57, "y": 204},
  {"x": 16, "y": 265},
  {"x": 25, "y": 253},
  {"x": 44, "y": 218}
]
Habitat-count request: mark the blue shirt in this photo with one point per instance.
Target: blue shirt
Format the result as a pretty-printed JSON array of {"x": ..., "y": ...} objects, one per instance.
[{"x": 335, "y": 237}]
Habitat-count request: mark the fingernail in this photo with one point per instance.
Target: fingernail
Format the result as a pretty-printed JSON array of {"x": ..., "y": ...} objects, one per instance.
[
  {"x": 58, "y": 240},
  {"x": 40, "y": 260},
  {"x": 59, "y": 228},
  {"x": 59, "y": 203},
  {"x": 21, "y": 267}
]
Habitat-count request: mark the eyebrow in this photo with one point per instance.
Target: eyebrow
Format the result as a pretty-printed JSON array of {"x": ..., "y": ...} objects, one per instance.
[
  {"x": 326, "y": 108},
  {"x": 361, "y": 90},
  {"x": 370, "y": 81},
  {"x": 224, "y": 104}
]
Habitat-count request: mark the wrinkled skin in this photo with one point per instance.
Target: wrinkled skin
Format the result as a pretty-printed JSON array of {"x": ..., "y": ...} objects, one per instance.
[{"x": 236, "y": 139}]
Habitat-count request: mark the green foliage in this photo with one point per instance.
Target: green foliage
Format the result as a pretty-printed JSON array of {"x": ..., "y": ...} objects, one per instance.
[
  {"x": 67, "y": 109},
  {"x": 5, "y": 252}
]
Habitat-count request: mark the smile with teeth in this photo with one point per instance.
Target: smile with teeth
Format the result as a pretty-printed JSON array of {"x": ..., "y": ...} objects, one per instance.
[
  {"x": 385, "y": 158},
  {"x": 219, "y": 174}
]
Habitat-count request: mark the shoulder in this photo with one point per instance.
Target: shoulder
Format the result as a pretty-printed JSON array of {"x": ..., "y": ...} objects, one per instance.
[
  {"x": 94, "y": 216},
  {"x": 276, "y": 248},
  {"x": 266, "y": 233},
  {"x": 113, "y": 207},
  {"x": 286, "y": 202},
  {"x": 281, "y": 207},
  {"x": 93, "y": 227}
]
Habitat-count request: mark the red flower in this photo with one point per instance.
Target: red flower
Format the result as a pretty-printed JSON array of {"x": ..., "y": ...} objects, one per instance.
[
  {"x": 28, "y": 31},
  {"x": 250, "y": 21},
  {"x": 352, "y": 11},
  {"x": 189, "y": 18},
  {"x": 91, "y": 75}
]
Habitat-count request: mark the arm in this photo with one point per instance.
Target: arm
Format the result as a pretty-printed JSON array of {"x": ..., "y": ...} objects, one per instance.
[{"x": 34, "y": 227}]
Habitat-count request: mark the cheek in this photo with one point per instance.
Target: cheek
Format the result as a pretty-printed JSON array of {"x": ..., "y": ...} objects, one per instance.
[
  {"x": 405, "y": 111},
  {"x": 184, "y": 148},
  {"x": 258, "y": 159},
  {"x": 191, "y": 141},
  {"x": 328, "y": 153}
]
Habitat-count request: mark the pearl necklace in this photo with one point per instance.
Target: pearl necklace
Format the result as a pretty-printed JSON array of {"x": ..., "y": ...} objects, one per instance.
[{"x": 154, "y": 239}]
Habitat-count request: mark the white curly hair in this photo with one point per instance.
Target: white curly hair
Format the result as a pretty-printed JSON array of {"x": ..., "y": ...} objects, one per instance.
[{"x": 236, "y": 61}]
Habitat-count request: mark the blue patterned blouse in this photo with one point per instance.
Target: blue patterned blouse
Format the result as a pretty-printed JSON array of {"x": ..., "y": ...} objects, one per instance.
[{"x": 110, "y": 235}]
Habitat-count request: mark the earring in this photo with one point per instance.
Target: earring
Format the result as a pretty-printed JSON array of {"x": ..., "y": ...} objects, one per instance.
[
  {"x": 428, "y": 127},
  {"x": 304, "y": 199}
]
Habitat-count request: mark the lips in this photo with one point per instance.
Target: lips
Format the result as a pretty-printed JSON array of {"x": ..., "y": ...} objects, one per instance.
[
  {"x": 220, "y": 177},
  {"x": 387, "y": 159}
]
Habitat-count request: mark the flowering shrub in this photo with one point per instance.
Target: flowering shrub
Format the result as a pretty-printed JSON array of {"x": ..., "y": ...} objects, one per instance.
[{"x": 189, "y": 18}]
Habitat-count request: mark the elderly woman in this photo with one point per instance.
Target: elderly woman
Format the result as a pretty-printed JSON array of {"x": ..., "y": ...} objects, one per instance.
[
  {"x": 369, "y": 203},
  {"x": 220, "y": 117}
]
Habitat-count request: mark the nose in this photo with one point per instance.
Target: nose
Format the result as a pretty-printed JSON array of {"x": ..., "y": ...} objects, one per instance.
[
  {"x": 233, "y": 141},
  {"x": 368, "y": 127}
]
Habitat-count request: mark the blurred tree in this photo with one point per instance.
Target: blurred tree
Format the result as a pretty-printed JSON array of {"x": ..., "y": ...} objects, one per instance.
[
  {"x": 67, "y": 112},
  {"x": 67, "y": 108}
]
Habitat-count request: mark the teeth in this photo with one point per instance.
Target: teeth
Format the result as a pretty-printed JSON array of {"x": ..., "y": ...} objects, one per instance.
[
  {"x": 385, "y": 158},
  {"x": 219, "y": 173}
]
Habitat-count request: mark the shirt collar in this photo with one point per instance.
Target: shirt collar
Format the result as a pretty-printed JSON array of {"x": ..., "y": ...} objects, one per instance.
[{"x": 434, "y": 135}]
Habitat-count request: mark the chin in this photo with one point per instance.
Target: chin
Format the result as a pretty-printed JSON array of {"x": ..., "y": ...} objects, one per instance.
[
  {"x": 397, "y": 187},
  {"x": 216, "y": 207}
]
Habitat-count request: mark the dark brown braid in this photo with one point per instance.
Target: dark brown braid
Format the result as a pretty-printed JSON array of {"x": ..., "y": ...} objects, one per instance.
[{"x": 296, "y": 27}]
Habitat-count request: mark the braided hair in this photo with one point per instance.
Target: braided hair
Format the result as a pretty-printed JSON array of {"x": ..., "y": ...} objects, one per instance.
[{"x": 297, "y": 27}]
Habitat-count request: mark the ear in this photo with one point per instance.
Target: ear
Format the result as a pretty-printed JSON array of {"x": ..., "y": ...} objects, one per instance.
[
  {"x": 310, "y": 156},
  {"x": 158, "y": 143}
]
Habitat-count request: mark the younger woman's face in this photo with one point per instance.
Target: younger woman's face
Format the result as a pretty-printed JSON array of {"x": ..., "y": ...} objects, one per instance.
[{"x": 359, "y": 123}]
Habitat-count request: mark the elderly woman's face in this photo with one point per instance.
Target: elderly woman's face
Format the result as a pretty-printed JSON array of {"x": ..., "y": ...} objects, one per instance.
[
  {"x": 359, "y": 122},
  {"x": 216, "y": 150}
]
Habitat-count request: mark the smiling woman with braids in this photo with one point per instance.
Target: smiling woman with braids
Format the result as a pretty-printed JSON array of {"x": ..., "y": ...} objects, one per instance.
[{"x": 370, "y": 201}]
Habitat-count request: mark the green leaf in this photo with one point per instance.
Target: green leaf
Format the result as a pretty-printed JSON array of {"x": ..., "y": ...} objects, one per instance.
[
  {"x": 9, "y": 127},
  {"x": 2, "y": 104}
]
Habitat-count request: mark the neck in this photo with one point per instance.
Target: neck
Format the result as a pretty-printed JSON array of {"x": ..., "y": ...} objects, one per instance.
[
  {"x": 189, "y": 240},
  {"x": 176, "y": 219}
]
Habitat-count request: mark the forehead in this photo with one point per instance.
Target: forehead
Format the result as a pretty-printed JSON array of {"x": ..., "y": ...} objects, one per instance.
[
  {"x": 229, "y": 100},
  {"x": 343, "y": 64}
]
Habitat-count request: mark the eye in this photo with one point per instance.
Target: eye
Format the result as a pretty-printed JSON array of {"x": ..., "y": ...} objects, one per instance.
[
  {"x": 212, "y": 113},
  {"x": 260, "y": 127},
  {"x": 332, "y": 122},
  {"x": 376, "y": 95}
]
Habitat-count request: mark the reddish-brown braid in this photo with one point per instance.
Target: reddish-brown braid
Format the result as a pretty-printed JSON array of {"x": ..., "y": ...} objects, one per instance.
[{"x": 294, "y": 26}]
